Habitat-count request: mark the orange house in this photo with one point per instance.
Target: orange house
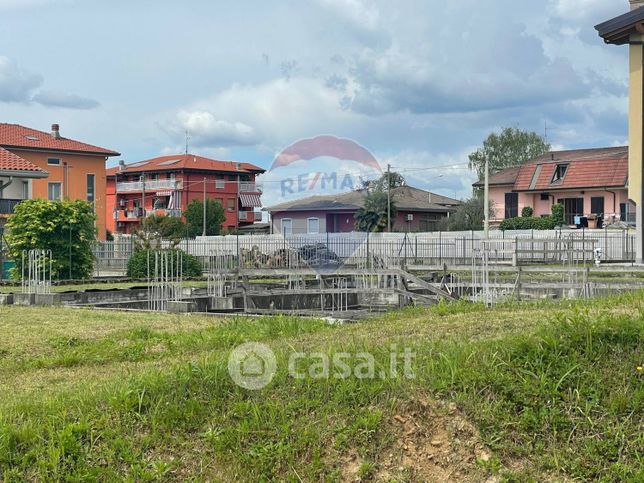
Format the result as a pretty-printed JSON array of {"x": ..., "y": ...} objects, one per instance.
[{"x": 76, "y": 170}]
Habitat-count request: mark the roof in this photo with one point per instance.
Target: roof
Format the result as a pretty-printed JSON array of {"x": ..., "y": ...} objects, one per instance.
[
  {"x": 13, "y": 164},
  {"x": 21, "y": 137},
  {"x": 404, "y": 197},
  {"x": 179, "y": 162},
  {"x": 586, "y": 168},
  {"x": 619, "y": 29}
]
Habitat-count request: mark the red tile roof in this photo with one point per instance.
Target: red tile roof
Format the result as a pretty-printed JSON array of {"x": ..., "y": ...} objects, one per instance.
[
  {"x": 17, "y": 136},
  {"x": 12, "y": 162},
  {"x": 586, "y": 168},
  {"x": 185, "y": 161}
]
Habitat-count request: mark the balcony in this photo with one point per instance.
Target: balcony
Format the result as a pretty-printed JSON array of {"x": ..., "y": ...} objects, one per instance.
[
  {"x": 8, "y": 205},
  {"x": 248, "y": 188},
  {"x": 150, "y": 185},
  {"x": 250, "y": 216},
  {"x": 135, "y": 214}
]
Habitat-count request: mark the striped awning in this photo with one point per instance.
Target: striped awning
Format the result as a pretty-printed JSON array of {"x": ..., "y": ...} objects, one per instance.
[{"x": 250, "y": 200}]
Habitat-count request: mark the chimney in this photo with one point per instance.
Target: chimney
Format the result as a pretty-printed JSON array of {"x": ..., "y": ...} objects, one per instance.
[
  {"x": 238, "y": 165},
  {"x": 635, "y": 4},
  {"x": 55, "y": 131},
  {"x": 429, "y": 198},
  {"x": 121, "y": 165}
]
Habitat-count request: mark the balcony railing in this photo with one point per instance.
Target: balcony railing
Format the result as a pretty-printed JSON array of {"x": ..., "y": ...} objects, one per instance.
[
  {"x": 8, "y": 205},
  {"x": 250, "y": 216},
  {"x": 248, "y": 188},
  {"x": 150, "y": 185}
]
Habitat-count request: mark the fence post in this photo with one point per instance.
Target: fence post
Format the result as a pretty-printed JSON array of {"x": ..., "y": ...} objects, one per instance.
[{"x": 440, "y": 247}]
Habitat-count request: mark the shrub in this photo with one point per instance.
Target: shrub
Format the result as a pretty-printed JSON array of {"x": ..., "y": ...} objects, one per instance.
[
  {"x": 528, "y": 223},
  {"x": 558, "y": 214},
  {"x": 527, "y": 212},
  {"x": 137, "y": 266},
  {"x": 64, "y": 227}
]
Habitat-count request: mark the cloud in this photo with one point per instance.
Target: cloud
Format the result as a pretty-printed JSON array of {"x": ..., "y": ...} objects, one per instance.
[
  {"x": 273, "y": 114},
  {"x": 206, "y": 130},
  {"x": 16, "y": 85},
  {"x": 64, "y": 100}
]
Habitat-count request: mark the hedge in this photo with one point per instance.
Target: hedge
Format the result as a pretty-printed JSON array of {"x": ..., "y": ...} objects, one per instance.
[
  {"x": 528, "y": 223},
  {"x": 137, "y": 266}
]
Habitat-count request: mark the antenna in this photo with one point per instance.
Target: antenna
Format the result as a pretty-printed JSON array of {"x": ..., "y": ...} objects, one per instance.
[
  {"x": 545, "y": 130},
  {"x": 187, "y": 140}
]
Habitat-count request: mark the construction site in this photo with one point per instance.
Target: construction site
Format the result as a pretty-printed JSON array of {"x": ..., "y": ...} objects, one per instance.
[{"x": 343, "y": 276}]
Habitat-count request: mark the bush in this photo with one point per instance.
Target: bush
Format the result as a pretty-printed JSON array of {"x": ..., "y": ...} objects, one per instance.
[
  {"x": 527, "y": 212},
  {"x": 528, "y": 223},
  {"x": 215, "y": 216},
  {"x": 137, "y": 266},
  {"x": 558, "y": 214},
  {"x": 64, "y": 227}
]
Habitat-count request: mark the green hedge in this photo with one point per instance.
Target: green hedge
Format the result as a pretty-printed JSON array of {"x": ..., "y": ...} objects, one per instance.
[
  {"x": 137, "y": 266},
  {"x": 528, "y": 223}
]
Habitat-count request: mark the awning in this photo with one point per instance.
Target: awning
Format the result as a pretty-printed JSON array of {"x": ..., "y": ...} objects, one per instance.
[
  {"x": 164, "y": 193},
  {"x": 250, "y": 200},
  {"x": 174, "y": 203}
]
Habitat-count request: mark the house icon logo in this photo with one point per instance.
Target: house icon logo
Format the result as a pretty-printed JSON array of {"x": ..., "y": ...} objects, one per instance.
[{"x": 252, "y": 365}]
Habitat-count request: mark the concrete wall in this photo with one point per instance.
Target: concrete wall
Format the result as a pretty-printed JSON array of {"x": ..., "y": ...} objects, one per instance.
[{"x": 15, "y": 189}]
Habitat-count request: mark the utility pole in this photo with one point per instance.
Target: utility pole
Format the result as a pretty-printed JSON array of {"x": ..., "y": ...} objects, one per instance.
[
  {"x": 389, "y": 197},
  {"x": 204, "y": 207},
  {"x": 486, "y": 201}
]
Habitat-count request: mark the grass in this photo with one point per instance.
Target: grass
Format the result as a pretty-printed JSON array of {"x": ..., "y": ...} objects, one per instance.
[{"x": 552, "y": 388}]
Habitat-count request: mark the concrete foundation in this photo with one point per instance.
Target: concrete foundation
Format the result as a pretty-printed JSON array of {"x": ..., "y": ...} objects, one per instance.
[
  {"x": 6, "y": 299},
  {"x": 47, "y": 299},
  {"x": 24, "y": 299}
]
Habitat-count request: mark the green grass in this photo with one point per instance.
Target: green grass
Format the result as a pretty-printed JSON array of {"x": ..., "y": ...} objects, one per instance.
[{"x": 553, "y": 390}]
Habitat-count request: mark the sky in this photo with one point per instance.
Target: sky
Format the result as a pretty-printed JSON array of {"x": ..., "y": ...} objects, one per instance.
[{"x": 419, "y": 83}]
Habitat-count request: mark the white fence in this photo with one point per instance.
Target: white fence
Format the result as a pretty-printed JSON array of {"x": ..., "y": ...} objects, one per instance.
[{"x": 431, "y": 249}]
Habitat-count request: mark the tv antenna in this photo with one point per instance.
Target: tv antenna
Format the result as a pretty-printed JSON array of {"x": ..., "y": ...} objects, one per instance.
[{"x": 187, "y": 141}]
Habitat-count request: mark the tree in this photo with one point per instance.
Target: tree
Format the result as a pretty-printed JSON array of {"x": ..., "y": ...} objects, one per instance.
[
  {"x": 64, "y": 227},
  {"x": 396, "y": 180},
  {"x": 160, "y": 227},
  {"x": 468, "y": 216},
  {"x": 511, "y": 147},
  {"x": 372, "y": 216},
  {"x": 193, "y": 214}
]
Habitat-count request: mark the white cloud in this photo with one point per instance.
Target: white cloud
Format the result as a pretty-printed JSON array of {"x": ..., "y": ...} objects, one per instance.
[
  {"x": 16, "y": 85},
  {"x": 204, "y": 129},
  {"x": 272, "y": 114},
  {"x": 356, "y": 12}
]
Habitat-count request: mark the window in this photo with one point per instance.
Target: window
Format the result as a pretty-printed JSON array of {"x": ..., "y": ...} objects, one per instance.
[
  {"x": 560, "y": 172},
  {"x": 91, "y": 189},
  {"x": 230, "y": 204},
  {"x": 54, "y": 191},
  {"x": 545, "y": 196},
  {"x": 220, "y": 184},
  {"x": 511, "y": 205},
  {"x": 287, "y": 226},
  {"x": 573, "y": 207},
  {"x": 53, "y": 161},
  {"x": 313, "y": 225},
  {"x": 25, "y": 190},
  {"x": 597, "y": 205}
]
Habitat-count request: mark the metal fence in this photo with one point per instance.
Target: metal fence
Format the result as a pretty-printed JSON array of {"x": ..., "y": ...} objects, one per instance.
[{"x": 368, "y": 249}]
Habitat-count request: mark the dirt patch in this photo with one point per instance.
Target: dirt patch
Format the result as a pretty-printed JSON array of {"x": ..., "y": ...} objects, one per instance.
[{"x": 431, "y": 442}]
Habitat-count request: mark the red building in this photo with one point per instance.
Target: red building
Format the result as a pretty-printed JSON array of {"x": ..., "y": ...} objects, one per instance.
[{"x": 167, "y": 184}]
